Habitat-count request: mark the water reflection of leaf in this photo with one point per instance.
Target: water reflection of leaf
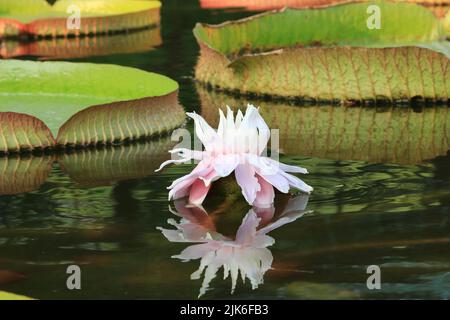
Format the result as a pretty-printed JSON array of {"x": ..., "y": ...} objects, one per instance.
[
  {"x": 321, "y": 291},
  {"x": 246, "y": 254},
  {"x": 65, "y": 48},
  {"x": 87, "y": 167},
  {"x": 97, "y": 167},
  {"x": 384, "y": 135},
  {"x": 23, "y": 174}
]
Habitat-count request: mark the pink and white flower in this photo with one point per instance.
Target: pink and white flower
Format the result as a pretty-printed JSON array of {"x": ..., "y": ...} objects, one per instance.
[{"x": 237, "y": 145}]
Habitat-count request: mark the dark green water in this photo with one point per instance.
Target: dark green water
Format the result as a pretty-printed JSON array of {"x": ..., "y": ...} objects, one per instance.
[{"x": 375, "y": 203}]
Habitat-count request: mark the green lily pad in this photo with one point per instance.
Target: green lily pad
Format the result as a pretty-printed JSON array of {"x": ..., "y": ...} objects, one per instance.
[
  {"x": 277, "y": 4},
  {"x": 12, "y": 296},
  {"x": 82, "y": 104},
  {"x": 38, "y": 18},
  {"x": 329, "y": 54},
  {"x": 389, "y": 134}
]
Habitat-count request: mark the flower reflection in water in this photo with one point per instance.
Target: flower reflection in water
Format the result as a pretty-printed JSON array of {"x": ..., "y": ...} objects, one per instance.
[{"x": 247, "y": 254}]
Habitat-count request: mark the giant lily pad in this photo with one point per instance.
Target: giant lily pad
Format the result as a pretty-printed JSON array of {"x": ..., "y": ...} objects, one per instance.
[
  {"x": 329, "y": 54},
  {"x": 260, "y": 5},
  {"x": 38, "y": 18},
  {"x": 440, "y": 8},
  {"x": 69, "y": 48},
  {"x": 82, "y": 104},
  {"x": 390, "y": 134}
]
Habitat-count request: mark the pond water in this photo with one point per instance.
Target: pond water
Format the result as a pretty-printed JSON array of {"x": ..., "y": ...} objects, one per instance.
[{"x": 382, "y": 197}]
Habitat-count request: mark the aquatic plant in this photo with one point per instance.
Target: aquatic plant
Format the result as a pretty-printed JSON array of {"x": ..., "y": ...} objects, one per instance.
[
  {"x": 37, "y": 18},
  {"x": 49, "y": 104},
  {"x": 332, "y": 54},
  {"x": 237, "y": 145}
]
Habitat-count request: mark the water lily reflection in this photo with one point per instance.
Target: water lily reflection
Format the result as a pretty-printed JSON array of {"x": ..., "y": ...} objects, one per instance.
[{"x": 247, "y": 254}]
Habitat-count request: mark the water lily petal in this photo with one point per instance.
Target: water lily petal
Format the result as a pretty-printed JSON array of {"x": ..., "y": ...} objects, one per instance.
[
  {"x": 230, "y": 120},
  {"x": 198, "y": 192},
  {"x": 277, "y": 180},
  {"x": 222, "y": 125},
  {"x": 253, "y": 121},
  {"x": 297, "y": 183},
  {"x": 165, "y": 163},
  {"x": 225, "y": 164},
  {"x": 210, "y": 177},
  {"x": 245, "y": 177},
  {"x": 285, "y": 167},
  {"x": 207, "y": 135},
  {"x": 181, "y": 190},
  {"x": 239, "y": 117},
  {"x": 203, "y": 168},
  {"x": 265, "y": 196}
]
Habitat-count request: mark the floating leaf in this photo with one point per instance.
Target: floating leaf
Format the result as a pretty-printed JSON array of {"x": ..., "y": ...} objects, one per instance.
[
  {"x": 259, "y": 5},
  {"x": 23, "y": 132},
  {"x": 329, "y": 54},
  {"x": 12, "y": 296},
  {"x": 38, "y": 18},
  {"x": 383, "y": 134},
  {"x": 440, "y": 8},
  {"x": 23, "y": 174},
  {"x": 88, "y": 103},
  {"x": 69, "y": 48}
]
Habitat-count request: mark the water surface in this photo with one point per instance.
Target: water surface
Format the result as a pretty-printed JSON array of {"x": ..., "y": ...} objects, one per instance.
[{"x": 381, "y": 197}]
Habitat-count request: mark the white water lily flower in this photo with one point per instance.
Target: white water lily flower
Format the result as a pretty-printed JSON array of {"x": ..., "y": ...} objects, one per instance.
[{"x": 237, "y": 146}]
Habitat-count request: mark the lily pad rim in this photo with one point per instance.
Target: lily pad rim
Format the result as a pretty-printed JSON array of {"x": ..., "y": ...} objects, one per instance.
[
  {"x": 202, "y": 25},
  {"x": 150, "y": 5}
]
